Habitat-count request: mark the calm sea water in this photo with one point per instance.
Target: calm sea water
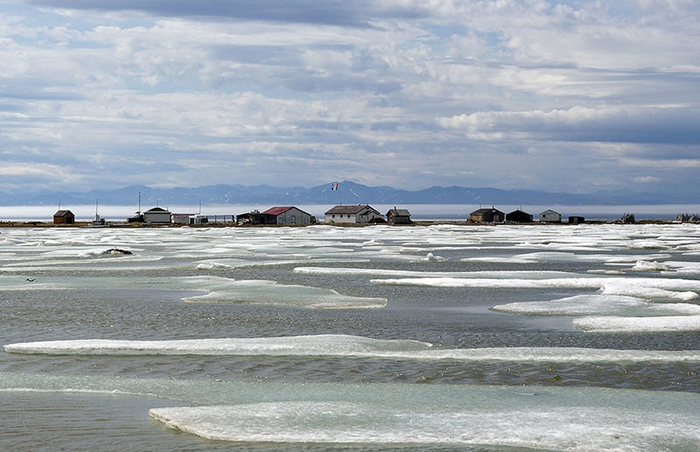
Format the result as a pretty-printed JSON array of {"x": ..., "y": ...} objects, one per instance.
[{"x": 396, "y": 338}]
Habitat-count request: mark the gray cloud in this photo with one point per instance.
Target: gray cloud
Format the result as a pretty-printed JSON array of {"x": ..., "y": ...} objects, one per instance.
[
  {"x": 576, "y": 95},
  {"x": 329, "y": 12}
]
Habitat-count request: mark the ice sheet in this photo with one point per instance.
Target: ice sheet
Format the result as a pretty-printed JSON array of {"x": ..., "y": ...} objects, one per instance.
[
  {"x": 638, "y": 324},
  {"x": 558, "y": 426},
  {"x": 646, "y": 288},
  {"x": 216, "y": 290},
  {"x": 346, "y": 346},
  {"x": 581, "y": 305}
]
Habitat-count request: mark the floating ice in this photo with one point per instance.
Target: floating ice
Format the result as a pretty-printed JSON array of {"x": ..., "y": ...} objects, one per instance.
[
  {"x": 422, "y": 274},
  {"x": 272, "y": 293},
  {"x": 216, "y": 289},
  {"x": 560, "y": 256},
  {"x": 650, "y": 266},
  {"x": 638, "y": 324},
  {"x": 348, "y": 347},
  {"x": 647, "y": 288},
  {"x": 538, "y": 418},
  {"x": 581, "y": 305},
  {"x": 415, "y": 416},
  {"x": 433, "y": 258}
]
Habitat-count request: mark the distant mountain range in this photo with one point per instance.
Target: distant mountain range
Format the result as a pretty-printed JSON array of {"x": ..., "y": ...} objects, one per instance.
[{"x": 347, "y": 193}]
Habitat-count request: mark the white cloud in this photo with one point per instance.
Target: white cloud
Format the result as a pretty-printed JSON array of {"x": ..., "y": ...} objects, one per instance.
[{"x": 439, "y": 92}]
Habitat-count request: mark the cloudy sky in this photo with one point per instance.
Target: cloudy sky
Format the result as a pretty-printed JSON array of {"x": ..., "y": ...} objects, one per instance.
[{"x": 571, "y": 96}]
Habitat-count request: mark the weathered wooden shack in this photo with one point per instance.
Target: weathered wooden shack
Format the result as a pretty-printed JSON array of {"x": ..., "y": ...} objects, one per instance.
[
  {"x": 63, "y": 217},
  {"x": 518, "y": 216},
  {"x": 398, "y": 216},
  {"x": 487, "y": 215}
]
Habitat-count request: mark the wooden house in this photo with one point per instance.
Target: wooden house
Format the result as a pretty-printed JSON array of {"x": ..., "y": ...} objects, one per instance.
[
  {"x": 398, "y": 216},
  {"x": 287, "y": 215},
  {"x": 354, "y": 214},
  {"x": 487, "y": 215},
  {"x": 64, "y": 217},
  {"x": 550, "y": 216},
  {"x": 518, "y": 216},
  {"x": 157, "y": 215}
]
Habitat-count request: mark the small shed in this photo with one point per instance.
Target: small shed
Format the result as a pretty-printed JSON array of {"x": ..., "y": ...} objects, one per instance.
[
  {"x": 518, "y": 216},
  {"x": 157, "y": 215},
  {"x": 253, "y": 217},
  {"x": 550, "y": 216},
  {"x": 64, "y": 217},
  {"x": 398, "y": 216},
  {"x": 487, "y": 215},
  {"x": 575, "y": 219},
  {"x": 182, "y": 218}
]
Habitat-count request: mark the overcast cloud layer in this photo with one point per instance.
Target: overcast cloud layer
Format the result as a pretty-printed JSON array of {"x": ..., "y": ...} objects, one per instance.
[{"x": 569, "y": 96}]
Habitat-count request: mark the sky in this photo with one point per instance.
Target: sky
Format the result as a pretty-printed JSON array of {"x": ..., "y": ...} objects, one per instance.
[{"x": 563, "y": 96}]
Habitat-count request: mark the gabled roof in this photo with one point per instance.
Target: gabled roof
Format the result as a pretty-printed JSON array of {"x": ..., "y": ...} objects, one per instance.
[
  {"x": 350, "y": 210},
  {"x": 277, "y": 210},
  {"x": 399, "y": 212},
  {"x": 157, "y": 210},
  {"x": 62, "y": 213},
  {"x": 486, "y": 210},
  {"x": 282, "y": 209},
  {"x": 550, "y": 211}
]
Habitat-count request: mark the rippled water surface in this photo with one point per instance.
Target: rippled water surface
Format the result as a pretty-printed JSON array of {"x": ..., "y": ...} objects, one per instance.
[{"x": 474, "y": 337}]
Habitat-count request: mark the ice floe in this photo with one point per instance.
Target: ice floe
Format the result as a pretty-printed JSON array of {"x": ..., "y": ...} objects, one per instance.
[
  {"x": 612, "y": 324},
  {"x": 347, "y": 347},
  {"x": 538, "y": 418}
]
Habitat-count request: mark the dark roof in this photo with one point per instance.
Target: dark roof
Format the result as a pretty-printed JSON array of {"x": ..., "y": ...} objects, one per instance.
[
  {"x": 157, "y": 210},
  {"x": 486, "y": 210},
  {"x": 399, "y": 212},
  {"x": 62, "y": 213},
  {"x": 277, "y": 210},
  {"x": 352, "y": 209}
]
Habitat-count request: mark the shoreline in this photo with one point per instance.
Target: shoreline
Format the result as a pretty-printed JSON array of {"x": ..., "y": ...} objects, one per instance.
[{"x": 118, "y": 225}]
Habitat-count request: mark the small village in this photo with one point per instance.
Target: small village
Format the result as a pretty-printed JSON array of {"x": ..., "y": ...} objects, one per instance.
[{"x": 339, "y": 215}]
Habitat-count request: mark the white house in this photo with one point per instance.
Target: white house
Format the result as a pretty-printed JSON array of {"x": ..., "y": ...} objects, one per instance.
[
  {"x": 157, "y": 215},
  {"x": 361, "y": 213},
  {"x": 550, "y": 216}
]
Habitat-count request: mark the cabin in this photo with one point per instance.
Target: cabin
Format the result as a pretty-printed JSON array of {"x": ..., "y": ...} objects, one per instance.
[
  {"x": 398, "y": 216},
  {"x": 287, "y": 215},
  {"x": 354, "y": 214},
  {"x": 157, "y": 215},
  {"x": 550, "y": 216},
  {"x": 575, "y": 219},
  {"x": 518, "y": 216},
  {"x": 486, "y": 215},
  {"x": 64, "y": 217}
]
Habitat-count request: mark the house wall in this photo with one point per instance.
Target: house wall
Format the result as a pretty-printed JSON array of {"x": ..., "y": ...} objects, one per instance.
[
  {"x": 294, "y": 216},
  {"x": 552, "y": 217},
  {"x": 340, "y": 218},
  {"x": 399, "y": 219},
  {"x": 68, "y": 219},
  {"x": 367, "y": 215},
  {"x": 156, "y": 217}
]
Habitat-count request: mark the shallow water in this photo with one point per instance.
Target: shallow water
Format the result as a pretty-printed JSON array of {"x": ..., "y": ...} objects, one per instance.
[{"x": 577, "y": 310}]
